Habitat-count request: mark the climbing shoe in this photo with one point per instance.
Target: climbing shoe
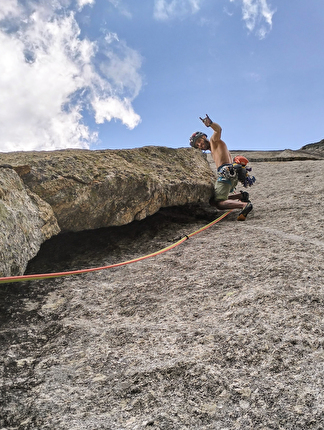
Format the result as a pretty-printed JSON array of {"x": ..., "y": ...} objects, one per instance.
[
  {"x": 245, "y": 196},
  {"x": 244, "y": 213}
]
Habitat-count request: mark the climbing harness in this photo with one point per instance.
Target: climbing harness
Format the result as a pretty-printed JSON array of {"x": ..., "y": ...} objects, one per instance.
[
  {"x": 226, "y": 172},
  {"x": 237, "y": 170},
  {"x": 8, "y": 279}
]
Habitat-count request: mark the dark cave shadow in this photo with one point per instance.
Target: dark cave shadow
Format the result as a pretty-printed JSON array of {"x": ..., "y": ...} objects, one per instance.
[{"x": 61, "y": 252}]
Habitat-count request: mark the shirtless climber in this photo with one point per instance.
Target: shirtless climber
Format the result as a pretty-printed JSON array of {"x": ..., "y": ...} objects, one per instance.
[{"x": 228, "y": 173}]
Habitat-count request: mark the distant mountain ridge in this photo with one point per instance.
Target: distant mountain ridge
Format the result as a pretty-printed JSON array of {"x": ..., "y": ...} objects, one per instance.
[{"x": 317, "y": 147}]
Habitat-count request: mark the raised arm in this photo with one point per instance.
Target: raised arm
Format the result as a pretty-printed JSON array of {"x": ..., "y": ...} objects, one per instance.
[{"x": 216, "y": 127}]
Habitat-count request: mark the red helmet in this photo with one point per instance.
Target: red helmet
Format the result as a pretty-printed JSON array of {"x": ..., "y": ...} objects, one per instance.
[{"x": 240, "y": 159}]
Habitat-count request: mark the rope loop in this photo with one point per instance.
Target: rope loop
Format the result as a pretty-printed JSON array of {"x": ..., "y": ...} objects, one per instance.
[{"x": 9, "y": 279}]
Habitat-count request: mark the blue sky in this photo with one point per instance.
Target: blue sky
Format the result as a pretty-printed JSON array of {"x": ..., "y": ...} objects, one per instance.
[{"x": 107, "y": 74}]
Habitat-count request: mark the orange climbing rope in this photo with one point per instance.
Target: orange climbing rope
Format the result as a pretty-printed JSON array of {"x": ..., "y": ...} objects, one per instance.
[{"x": 20, "y": 278}]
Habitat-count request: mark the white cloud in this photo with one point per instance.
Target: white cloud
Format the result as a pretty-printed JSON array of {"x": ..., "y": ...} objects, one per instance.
[
  {"x": 50, "y": 77},
  {"x": 9, "y": 8},
  {"x": 257, "y": 16},
  {"x": 122, "y": 68},
  {"x": 168, "y": 9},
  {"x": 82, "y": 3},
  {"x": 111, "y": 107}
]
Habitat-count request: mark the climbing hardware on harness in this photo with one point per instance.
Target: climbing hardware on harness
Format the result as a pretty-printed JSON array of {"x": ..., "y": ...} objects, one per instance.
[{"x": 239, "y": 164}]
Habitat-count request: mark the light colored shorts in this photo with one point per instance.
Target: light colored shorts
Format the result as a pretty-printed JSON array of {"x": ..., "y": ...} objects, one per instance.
[{"x": 224, "y": 187}]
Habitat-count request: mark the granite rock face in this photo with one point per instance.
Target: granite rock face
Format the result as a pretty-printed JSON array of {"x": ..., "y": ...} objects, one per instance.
[
  {"x": 26, "y": 221},
  {"x": 92, "y": 189},
  {"x": 222, "y": 332}
]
